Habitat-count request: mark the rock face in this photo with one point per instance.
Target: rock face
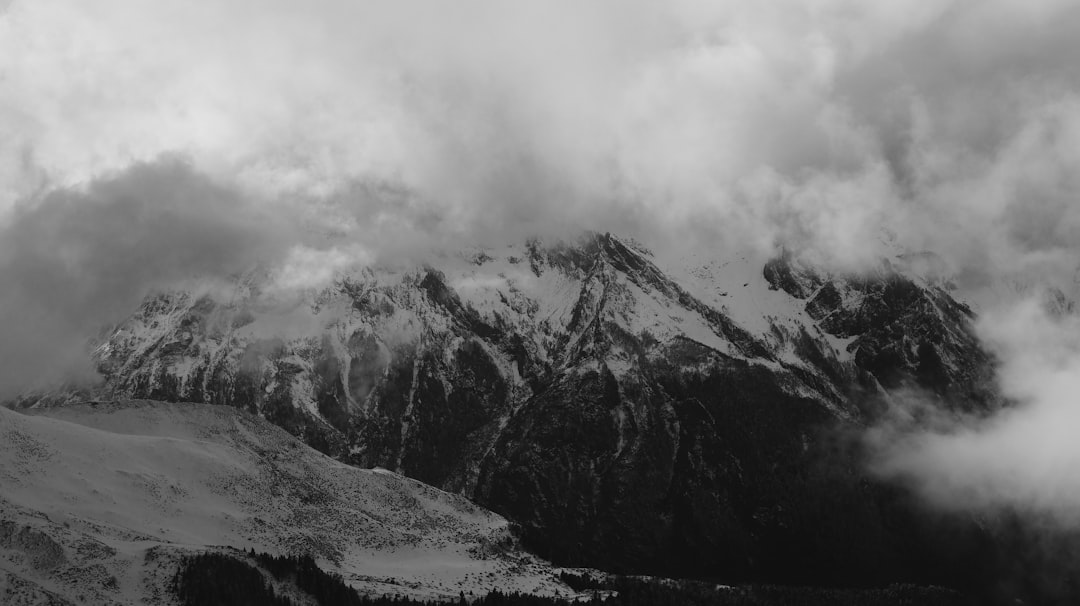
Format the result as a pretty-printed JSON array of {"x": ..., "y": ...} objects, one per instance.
[{"x": 632, "y": 414}]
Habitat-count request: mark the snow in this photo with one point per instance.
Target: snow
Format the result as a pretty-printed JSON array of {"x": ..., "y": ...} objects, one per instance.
[
  {"x": 736, "y": 285},
  {"x": 137, "y": 476},
  {"x": 664, "y": 320},
  {"x": 840, "y": 345},
  {"x": 535, "y": 301}
]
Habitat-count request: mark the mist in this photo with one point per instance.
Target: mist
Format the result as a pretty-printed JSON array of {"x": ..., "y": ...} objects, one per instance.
[
  {"x": 78, "y": 261},
  {"x": 1023, "y": 458},
  {"x": 142, "y": 144}
]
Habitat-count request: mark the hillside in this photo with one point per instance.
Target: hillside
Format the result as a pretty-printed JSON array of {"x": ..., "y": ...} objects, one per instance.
[{"x": 98, "y": 501}]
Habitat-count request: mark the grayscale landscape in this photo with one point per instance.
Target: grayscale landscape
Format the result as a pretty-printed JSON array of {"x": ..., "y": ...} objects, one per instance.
[{"x": 538, "y": 303}]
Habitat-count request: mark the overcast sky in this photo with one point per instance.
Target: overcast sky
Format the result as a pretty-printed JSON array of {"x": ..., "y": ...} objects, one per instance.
[
  {"x": 142, "y": 143},
  {"x": 812, "y": 121}
]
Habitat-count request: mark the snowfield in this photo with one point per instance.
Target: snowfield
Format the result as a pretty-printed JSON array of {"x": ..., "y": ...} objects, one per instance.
[{"x": 97, "y": 502}]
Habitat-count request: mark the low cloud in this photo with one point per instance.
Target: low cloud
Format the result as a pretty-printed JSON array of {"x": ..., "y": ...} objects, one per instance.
[
  {"x": 74, "y": 262},
  {"x": 1024, "y": 458}
]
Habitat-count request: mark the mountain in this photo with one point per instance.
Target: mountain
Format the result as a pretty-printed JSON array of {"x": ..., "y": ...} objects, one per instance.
[
  {"x": 686, "y": 416},
  {"x": 99, "y": 501}
]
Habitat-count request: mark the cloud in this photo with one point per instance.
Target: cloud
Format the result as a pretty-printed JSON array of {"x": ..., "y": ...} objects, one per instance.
[
  {"x": 631, "y": 114},
  {"x": 814, "y": 121},
  {"x": 380, "y": 128},
  {"x": 1023, "y": 458},
  {"x": 76, "y": 261},
  {"x": 305, "y": 268}
]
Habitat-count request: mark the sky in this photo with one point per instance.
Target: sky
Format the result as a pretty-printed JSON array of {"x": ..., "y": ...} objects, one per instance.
[{"x": 146, "y": 143}]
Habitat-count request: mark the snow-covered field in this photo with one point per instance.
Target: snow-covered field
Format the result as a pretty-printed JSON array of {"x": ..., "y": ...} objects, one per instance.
[{"x": 98, "y": 500}]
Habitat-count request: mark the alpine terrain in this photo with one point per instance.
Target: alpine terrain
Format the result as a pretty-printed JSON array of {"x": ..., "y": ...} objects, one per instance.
[
  {"x": 99, "y": 502},
  {"x": 693, "y": 416}
]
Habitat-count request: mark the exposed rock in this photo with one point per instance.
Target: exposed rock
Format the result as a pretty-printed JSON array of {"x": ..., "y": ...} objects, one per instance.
[{"x": 41, "y": 552}]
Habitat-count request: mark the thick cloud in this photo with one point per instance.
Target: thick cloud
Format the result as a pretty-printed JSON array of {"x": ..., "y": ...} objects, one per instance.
[
  {"x": 76, "y": 261},
  {"x": 1024, "y": 458},
  {"x": 811, "y": 121},
  {"x": 827, "y": 125}
]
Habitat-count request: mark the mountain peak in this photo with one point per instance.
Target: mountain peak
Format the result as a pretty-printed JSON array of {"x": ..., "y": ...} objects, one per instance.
[{"x": 519, "y": 375}]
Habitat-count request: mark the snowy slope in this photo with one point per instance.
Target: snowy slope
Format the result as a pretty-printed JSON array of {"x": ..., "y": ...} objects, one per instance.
[{"x": 96, "y": 500}]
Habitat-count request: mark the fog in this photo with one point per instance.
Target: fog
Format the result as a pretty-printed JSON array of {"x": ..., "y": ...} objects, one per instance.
[{"x": 1024, "y": 458}]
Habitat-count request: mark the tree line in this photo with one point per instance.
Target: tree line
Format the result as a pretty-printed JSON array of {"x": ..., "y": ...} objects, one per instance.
[{"x": 221, "y": 579}]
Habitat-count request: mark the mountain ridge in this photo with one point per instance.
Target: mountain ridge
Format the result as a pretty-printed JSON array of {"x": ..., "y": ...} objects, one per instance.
[{"x": 629, "y": 412}]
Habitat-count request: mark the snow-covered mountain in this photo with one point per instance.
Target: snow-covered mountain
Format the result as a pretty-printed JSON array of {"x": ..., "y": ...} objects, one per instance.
[
  {"x": 629, "y": 412},
  {"x": 98, "y": 501}
]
